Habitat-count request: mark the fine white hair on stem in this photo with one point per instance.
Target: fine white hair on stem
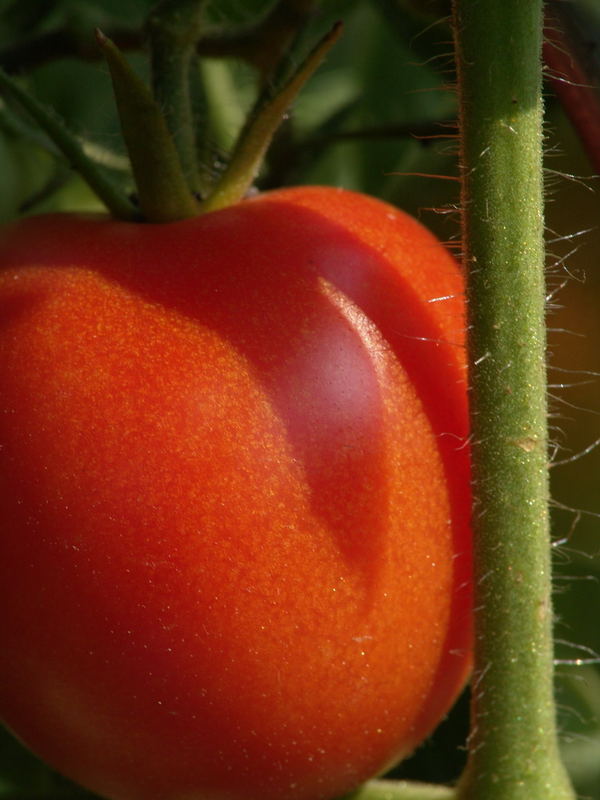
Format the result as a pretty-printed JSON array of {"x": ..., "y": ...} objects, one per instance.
[{"x": 590, "y": 656}]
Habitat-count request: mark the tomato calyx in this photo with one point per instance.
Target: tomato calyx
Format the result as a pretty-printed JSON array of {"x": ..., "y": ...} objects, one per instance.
[
  {"x": 158, "y": 130},
  {"x": 261, "y": 126},
  {"x": 162, "y": 190}
]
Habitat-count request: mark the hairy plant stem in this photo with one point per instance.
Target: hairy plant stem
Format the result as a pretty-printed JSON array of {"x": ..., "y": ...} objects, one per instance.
[
  {"x": 513, "y": 751},
  {"x": 174, "y": 27}
]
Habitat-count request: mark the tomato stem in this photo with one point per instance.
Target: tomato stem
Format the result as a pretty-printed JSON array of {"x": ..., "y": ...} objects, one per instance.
[
  {"x": 513, "y": 751},
  {"x": 70, "y": 147},
  {"x": 162, "y": 189},
  {"x": 258, "y": 132},
  {"x": 175, "y": 27}
]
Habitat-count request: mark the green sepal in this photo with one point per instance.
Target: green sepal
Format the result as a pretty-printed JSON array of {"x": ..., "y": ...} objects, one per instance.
[
  {"x": 257, "y": 134},
  {"x": 163, "y": 194}
]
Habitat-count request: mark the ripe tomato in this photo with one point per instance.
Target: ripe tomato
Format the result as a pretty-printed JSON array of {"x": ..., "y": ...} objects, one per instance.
[{"x": 234, "y": 560}]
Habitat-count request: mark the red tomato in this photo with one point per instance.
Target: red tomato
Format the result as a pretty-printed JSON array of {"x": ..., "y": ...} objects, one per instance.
[{"x": 235, "y": 551}]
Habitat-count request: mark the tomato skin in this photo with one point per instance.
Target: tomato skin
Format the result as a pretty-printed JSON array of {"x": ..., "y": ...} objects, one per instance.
[{"x": 235, "y": 557}]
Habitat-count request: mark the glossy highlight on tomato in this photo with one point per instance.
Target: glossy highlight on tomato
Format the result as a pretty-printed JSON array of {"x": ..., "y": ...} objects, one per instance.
[{"x": 234, "y": 491}]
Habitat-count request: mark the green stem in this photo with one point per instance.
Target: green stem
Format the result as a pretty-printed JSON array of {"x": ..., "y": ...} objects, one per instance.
[
  {"x": 163, "y": 193},
  {"x": 256, "y": 136},
  {"x": 174, "y": 27},
  {"x": 115, "y": 200},
  {"x": 513, "y": 751}
]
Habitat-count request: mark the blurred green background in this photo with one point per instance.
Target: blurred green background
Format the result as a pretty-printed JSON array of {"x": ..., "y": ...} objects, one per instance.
[{"x": 377, "y": 117}]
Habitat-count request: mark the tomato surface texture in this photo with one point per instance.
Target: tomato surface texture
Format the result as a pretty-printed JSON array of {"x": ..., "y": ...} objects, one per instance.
[{"x": 234, "y": 491}]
